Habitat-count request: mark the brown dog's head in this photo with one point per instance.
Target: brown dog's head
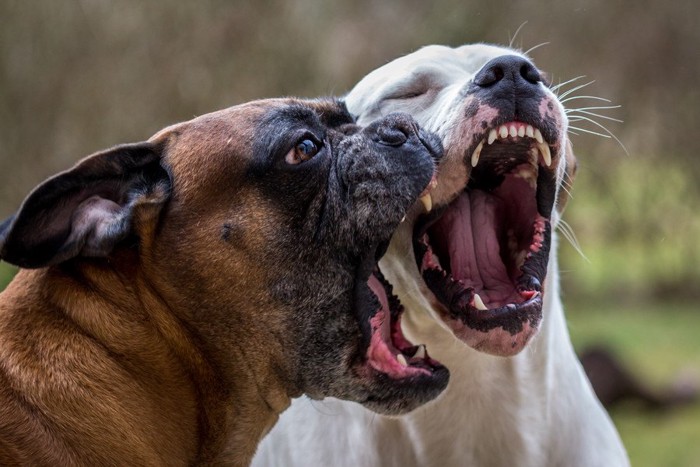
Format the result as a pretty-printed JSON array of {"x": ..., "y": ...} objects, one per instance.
[
  {"x": 260, "y": 226},
  {"x": 482, "y": 252}
]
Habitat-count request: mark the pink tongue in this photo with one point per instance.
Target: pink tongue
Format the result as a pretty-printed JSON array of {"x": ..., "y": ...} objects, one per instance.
[{"x": 468, "y": 233}]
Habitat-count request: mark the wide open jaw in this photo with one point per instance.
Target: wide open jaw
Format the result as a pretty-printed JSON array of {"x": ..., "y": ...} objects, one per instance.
[
  {"x": 484, "y": 256},
  {"x": 406, "y": 374}
]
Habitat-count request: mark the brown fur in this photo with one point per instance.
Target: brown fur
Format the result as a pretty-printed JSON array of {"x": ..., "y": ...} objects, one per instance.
[{"x": 174, "y": 352}]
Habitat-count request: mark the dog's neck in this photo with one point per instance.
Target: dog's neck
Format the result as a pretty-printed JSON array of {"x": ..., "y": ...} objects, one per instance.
[{"x": 213, "y": 417}]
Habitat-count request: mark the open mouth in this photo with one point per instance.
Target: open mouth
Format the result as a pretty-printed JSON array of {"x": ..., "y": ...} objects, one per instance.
[
  {"x": 484, "y": 256},
  {"x": 389, "y": 352}
]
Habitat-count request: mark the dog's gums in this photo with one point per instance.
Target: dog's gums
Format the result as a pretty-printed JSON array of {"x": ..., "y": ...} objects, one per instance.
[
  {"x": 484, "y": 255},
  {"x": 389, "y": 351}
]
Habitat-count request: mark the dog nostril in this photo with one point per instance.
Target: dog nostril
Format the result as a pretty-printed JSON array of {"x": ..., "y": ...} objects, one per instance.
[
  {"x": 530, "y": 73},
  {"x": 393, "y": 135},
  {"x": 489, "y": 76},
  {"x": 511, "y": 69}
]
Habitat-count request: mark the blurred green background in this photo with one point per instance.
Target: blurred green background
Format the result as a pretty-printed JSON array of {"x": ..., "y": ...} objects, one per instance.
[{"x": 79, "y": 76}]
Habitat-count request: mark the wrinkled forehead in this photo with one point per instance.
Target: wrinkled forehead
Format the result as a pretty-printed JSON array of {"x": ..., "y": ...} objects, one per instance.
[
  {"x": 242, "y": 125},
  {"x": 222, "y": 144}
]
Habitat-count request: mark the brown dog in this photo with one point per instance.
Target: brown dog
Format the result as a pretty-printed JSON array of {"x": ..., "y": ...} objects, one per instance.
[{"x": 183, "y": 289}]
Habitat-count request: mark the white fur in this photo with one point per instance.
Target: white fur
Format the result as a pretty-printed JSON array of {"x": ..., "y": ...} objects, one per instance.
[{"x": 534, "y": 409}]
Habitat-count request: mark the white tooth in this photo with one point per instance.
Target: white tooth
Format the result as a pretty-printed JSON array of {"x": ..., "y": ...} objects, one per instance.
[
  {"x": 420, "y": 353},
  {"x": 503, "y": 131},
  {"x": 401, "y": 359},
  {"x": 546, "y": 154},
  {"x": 521, "y": 131},
  {"x": 538, "y": 136},
  {"x": 403, "y": 218},
  {"x": 427, "y": 201},
  {"x": 477, "y": 153},
  {"x": 492, "y": 136},
  {"x": 529, "y": 131},
  {"x": 513, "y": 131},
  {"x": 479, "y": 303}
]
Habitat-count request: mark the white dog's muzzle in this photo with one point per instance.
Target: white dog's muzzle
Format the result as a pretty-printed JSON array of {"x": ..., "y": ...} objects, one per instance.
[{"x": 481, "y": 243}]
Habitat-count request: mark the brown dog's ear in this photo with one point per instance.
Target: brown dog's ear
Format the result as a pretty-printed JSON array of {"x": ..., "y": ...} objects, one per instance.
[
  {"x": 86, "y": 210},
  {"x": 569, "y": 176}
]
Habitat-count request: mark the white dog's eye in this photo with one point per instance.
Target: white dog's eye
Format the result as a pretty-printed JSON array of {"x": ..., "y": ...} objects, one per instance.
[
  {"x": 302, "y": 151},
  {"x": 406, "y": 94}
]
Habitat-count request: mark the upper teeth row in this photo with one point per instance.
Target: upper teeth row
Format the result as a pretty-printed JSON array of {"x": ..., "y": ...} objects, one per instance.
[{"x": 513, "y": 131}]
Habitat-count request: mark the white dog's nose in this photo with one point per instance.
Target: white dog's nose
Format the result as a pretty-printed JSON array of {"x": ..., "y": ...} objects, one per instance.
[{"x": 508, "y": 71}]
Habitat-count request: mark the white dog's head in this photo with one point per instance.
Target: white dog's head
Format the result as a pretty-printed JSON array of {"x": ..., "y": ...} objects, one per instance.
[{"x": 479, "y": 245}]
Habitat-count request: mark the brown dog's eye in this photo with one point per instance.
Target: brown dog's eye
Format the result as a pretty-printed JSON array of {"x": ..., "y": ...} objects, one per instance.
[{"x": 303, "y": 151}]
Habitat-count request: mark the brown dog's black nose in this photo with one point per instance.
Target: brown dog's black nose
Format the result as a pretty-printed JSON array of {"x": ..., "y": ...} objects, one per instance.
[
  {"x": 395, "y": 129},
  {"x": 508, "y": 71}
]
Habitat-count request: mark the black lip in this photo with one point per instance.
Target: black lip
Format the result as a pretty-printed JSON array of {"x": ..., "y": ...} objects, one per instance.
[
  {"x": 408, "y": 394},
  {"x": 367, "y": 305}
]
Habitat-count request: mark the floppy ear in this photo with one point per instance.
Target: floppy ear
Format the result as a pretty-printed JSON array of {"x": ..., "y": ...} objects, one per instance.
[
  {"x": 569, "y": 176},
  {"x": 87, "y": 210}
]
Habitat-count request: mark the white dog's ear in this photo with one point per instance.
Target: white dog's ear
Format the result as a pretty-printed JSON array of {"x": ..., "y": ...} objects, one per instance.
[
  {"x": 87, "y": 210},
  {"x": 569, "y": 176}
]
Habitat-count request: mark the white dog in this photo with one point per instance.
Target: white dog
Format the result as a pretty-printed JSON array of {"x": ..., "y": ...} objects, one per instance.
[{"x": 476, "y": 268}]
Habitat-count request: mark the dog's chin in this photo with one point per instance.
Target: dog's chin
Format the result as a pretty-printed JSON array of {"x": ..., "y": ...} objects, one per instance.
[
  {"x": 484, "y": 255},
  {"x": 398, "y": 375}
]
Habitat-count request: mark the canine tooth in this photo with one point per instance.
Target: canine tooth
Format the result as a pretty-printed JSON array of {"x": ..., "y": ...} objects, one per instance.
[
  {"x": 512, "y": 131},
  {"x": 529, "y": 131},
  {"x": 420, "y": 353},
  {"x": 427, "y": 201},
  {"x": 403, "y": 218},
  {"x": 479, "y": 303},
  {"x": 538, "y": 136},
  {"x": 477, "y": 153},
  {"x": 546, "y": 154},
  {"x": 492, "y": 136},
  {"x": 521, "y": 131},
  {"x": 401, "y": 359},
  {"x": 503, "y": 132}
]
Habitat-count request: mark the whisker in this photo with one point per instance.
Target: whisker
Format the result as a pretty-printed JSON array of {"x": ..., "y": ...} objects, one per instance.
[
  {"x": 600, "y": 107},
  {"x": 590, "y": 120},
  {"x": 599, "y": 116},
  {"x": 573, "y": 98},
  {"x": 567, "y": 190},
  {"x": 570, "y": 236},
  {"x": 574, "y": 89},
  {"x": 566, "y": 181},
  {"x": 527, "y": 52},
  {"x": 554, "y": 88},
  {"x": 590, "y": 131},
  {"x": 512, "y": 39}
]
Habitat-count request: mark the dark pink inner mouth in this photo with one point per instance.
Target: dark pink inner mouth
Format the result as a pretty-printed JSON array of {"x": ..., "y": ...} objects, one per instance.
[
  {"x": 389, "y": 351},
  {"x": 483, "y": 239},
  {"x": 484, "y": 256}
]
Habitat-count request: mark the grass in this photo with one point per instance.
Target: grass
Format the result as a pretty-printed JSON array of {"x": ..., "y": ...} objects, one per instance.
[
  {"x": 640, "y": 236},
  {"x": 658, "y": 342},
  {"x": 7, "y": 272}
]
